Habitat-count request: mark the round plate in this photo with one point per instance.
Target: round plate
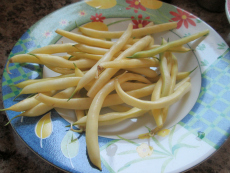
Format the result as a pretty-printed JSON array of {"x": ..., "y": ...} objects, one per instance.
[{"x": 198, "y": 127}]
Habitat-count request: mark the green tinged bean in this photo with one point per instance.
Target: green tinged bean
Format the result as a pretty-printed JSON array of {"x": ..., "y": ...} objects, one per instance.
[{"x": 163, "y": 48}]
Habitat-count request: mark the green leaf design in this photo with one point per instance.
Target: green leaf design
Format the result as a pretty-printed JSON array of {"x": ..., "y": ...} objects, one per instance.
[
  {"x": 186, "y": 35},
  {"x": 127, "y": 140},
  {"x": 204, "y": 63},
  {"x": 221, "y": 46},
  {"x": 159, "y": 145},
  {"x": 171, "y": 136},
  {"x": 185, "y": 135},
  {"x": 127, "y": 152},
  {"x": 164, "y": 165},
  {"x": 181, "y": 145},
  {"x": 70, "y": 146},
  {"x": 160, "y": 153},
  {"x": 198, "y": 21},
  {"x": 201, "y": 47},
  {"x": 109, "y": 143},
  {"x": 136, "y": 161}
]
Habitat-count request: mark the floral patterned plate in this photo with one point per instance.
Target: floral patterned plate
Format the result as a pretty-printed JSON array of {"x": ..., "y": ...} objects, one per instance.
[
  {"x": 197, "y": 126},
  {"x": 227, "y": 9}
]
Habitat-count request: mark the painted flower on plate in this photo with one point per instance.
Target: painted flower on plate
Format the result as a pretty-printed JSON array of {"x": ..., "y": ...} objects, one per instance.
[
  {"x": 97, "y": 18},
  {"x": 182, "y": 17},
  {"x": 63, "y": 22},
  {"x": 140, "y": 23},
  {"x": 47, "y": 34},
  {"x": 144, "y": 150},
  {"x": 97, "y": 23},
  {"x": 135, "y": 4},
  {"x": 82, "y": 13}
]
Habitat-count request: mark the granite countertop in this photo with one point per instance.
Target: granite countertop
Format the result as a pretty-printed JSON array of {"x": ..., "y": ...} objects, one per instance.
[{"x": 16, "y": 16}]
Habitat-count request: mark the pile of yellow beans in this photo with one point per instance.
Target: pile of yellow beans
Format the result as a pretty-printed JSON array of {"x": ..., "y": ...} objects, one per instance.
[{"x": 100, "y": 66}]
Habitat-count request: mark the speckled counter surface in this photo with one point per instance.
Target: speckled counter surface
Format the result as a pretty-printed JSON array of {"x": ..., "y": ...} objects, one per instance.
[{"x": 16, "y": 16}]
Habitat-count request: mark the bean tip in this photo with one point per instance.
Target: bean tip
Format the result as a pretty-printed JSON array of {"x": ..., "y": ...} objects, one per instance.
[
  {"x": 70, "y": 57},
  {"x": 17, "y": 96},
  {"x": 7, "y": 66},
  {"x": 3, "y": 109},
  {"x": 130, "y": 57}
]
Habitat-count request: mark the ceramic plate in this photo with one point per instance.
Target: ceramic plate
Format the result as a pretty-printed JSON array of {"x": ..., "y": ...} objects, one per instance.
[
  {"x": 227, "y": 9},
  {"x": 197, "y": 126}
]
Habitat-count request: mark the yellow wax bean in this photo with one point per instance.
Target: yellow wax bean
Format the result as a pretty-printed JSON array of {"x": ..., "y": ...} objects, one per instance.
[
  {"x": 31, "y": 81},
  {"x": 60, "y": 62},
  {"x": 91, "y": 49},
  {"x": 128, "y": 86},
  {"x": 174, "y": 71},
  {"x": 85, "y": 55},
  {"x": 136, "y": 33},
  {"x": 113, "y": 117},
  {"x": 66, "y": 56},
  {"x": 94, "y": 50},
  {"x": 187, "y": 79},
  {"x": 108, "y": 73},
  {"x": 157, "y": 113},
  {"x": 86, "y": 40},
  {"x": 120, "y": 108},
  {"x": 60, "y": 70},
  {"x": 93, "y": 114},
  {"x": 84, "y": 103},
  {"x": 182, "y": 75},
  {"x": 133, "y": 41},
  {"x": 177, "y": 49},
  {"x": 27, "y": 103},
  {"x": 42, "y": 108},
  {"x": 49, "y": 85},
  {"x": 165, "y": 75},
  {"x": 55, "y": 48},
  {"x": 22, "y": 58},
  {"x": 132, "y": 63},
  {"x": 107, "y": 57},
  {"x": 163, "y": 48},
  {"x": 179, "y": 76},
  {"x": 79, "y": 113},
  {"x": 160, "y": 103},
  {"x": 144, "y": 71}
]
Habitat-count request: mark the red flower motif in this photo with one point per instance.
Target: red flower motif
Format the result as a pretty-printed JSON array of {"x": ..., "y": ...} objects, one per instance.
[
  {"x": 135, "y": 4},
  {"x": 97, "y": 18},
  {"x": 182, "y": 17},
  {"x": 140, "y": 23}
]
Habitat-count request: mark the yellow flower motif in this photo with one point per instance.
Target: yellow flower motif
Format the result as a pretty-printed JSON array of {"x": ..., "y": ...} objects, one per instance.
[
  {"x": 82, "y": 13},
  {"x": 144, "y": 150},
  {"x": 163, "y": 132},
  {"x": 152, "y": 4},
  {"x": 144, "y": 136},
  {"x": 97, "y": 26},
  {"x": 102, "y": 4}
]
